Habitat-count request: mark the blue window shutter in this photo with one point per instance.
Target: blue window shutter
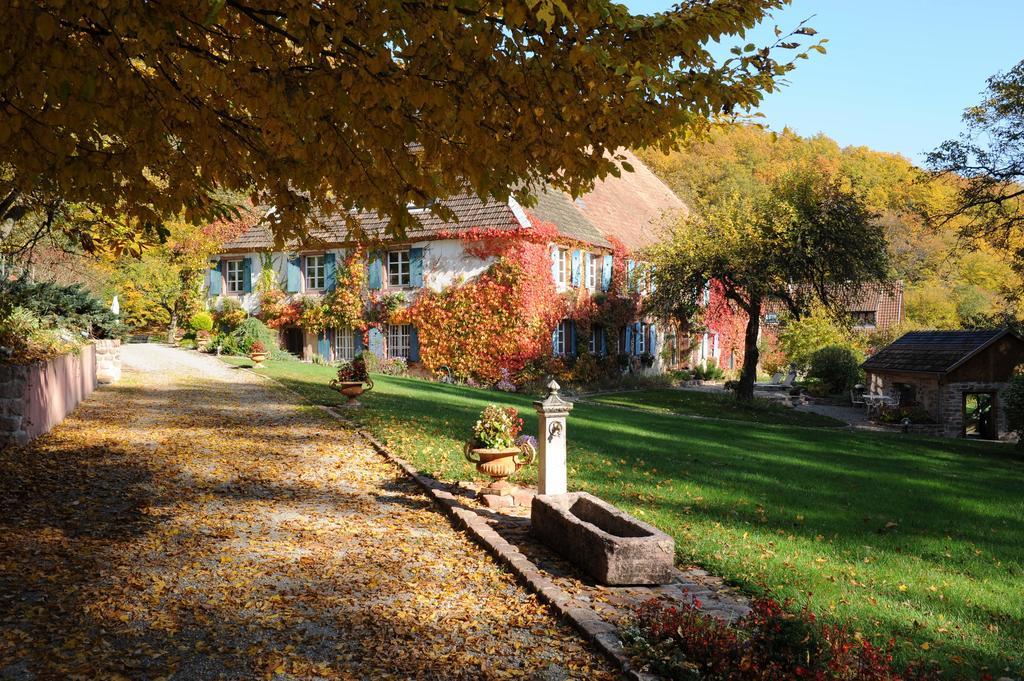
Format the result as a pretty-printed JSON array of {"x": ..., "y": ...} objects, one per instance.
[
  {"x": 330, "y": 272},
  {"x": 606, "y": 274},
  {"x": 652, "y": 344},
  {"x": 376, "y": 339},
  {"x": 323, "y": 345},
  {"x": 375, "y": 277},
  {"x": 414, "y": 344},
  {"x": 294, "y": 275},
  {"x": 554, "y": 264},
  {"x": 357, "y": 342},
  {"x": 214, "y": 278},
  {"x": 572, "y": 338},
  {"x": 416, "y": 267},
  {"x": 554, "y": 340},
  {"x": 630, "y": 284},
  {"x": 603, "y": 338},
  {"x": 628, "y": 350},
  {"x": 576, "y": 256},
  {"x": 247, "y": 275},
  {"x": 637, "y": 330}
]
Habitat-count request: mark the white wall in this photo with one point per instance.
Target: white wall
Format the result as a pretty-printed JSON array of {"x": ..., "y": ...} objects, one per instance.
[{"x": 446, "y": 262}]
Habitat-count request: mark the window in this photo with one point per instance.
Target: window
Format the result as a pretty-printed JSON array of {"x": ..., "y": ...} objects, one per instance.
[
  {"x": 716, "y": 351},
  {"x": 706, "y": 293},
  {"x": 591, "y": 282},
  {"x": 560, "y": 339},
  {"x": 398, "y": 340},
  {"x": 398, "y": 268},
  {"x": 562, "y": 267},
  {"x": 771, "y": 318},
  {"x": 863, "y": 318},
  {"x": 316, "y": 279},
  {"x": 641, "y": 339},
  {"x": 344, "y": 344},
  {"x": 234, "y": 273}
]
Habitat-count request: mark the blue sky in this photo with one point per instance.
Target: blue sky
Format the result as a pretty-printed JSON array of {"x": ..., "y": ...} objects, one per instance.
[{"x": 898, "y": 73}]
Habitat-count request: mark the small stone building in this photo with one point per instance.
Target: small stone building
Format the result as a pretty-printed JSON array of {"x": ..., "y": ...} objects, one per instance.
[{"x": 958, "y": 377}]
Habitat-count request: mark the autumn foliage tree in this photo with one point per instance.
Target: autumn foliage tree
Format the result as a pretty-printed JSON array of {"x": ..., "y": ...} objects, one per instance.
[
  {"x": 164, "y": 283},
  {"x": 797, "y": 238},
  {"x": 146, "y": 109},
  {"x": 987, "y": 164}
]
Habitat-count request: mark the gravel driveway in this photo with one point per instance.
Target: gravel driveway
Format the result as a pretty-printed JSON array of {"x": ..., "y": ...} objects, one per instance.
[{"x": 194, "y": 522}]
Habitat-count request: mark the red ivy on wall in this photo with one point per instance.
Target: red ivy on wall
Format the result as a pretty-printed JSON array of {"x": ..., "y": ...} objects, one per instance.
[{"x": 493, "y": 326}]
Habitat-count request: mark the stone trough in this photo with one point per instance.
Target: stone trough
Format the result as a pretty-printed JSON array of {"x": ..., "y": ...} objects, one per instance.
[{"x": 611, "y": 546}]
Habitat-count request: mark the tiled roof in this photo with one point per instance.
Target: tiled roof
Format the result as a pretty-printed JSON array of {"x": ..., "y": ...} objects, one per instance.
[
  {"x": 635, "y": 208},
  {"x": 884, "y": 299},
  {"x": 558, "y": 207},
  {"x": 931, "y": 351},
  {"x": 469, "y": 210}
]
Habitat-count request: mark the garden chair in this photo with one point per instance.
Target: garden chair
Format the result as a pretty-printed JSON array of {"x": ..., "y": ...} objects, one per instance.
[
  {"x": 790, "y": 377},
  {"x": 857, "y": 399}
]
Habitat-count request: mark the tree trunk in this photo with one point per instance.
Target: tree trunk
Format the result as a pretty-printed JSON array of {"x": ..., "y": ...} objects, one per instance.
[
  {"x": 172, "y": 328},
  {"x": 745, "y": 391}
]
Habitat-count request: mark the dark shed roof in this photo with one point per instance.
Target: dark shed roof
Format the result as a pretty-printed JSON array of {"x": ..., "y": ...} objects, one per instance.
[{"x": 937, "y": 352}]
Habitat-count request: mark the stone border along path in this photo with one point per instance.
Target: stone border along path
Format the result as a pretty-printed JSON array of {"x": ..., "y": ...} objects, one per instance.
[{"x": 595, "y": 610}]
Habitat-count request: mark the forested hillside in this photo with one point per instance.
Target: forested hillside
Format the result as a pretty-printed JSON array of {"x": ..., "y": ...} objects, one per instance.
[{"x": 949, "y": 281}]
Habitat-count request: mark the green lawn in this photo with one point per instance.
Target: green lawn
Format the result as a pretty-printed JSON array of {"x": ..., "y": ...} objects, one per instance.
[
  {"x": 915, "y": 538},
  {"x": 714, "y": 405}
]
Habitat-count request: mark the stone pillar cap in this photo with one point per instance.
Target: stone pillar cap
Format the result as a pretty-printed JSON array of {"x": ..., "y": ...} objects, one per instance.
[{"x": 553, "y": 403}]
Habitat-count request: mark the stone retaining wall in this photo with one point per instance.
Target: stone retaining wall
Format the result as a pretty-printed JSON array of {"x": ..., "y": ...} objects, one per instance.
[{"x": 36, "y": 397}]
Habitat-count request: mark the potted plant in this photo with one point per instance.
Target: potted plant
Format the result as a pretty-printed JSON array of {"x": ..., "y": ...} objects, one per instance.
[
  {"x": 353, "y": 380},
  {"x": 497, "y": 449},
  {"x": 258, "y": 354},
  {"x": 202, "y": 324}
]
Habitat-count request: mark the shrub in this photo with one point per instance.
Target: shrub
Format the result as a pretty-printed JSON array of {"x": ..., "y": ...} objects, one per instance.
[
  {"x": 55, "y": 306},
  {"x": 201, "y": 321},
  {"x": 682, "y": 375},
  {"x": 896, "y": 415},
  {"x": 769, "y": 644},
  {"x": 230, "y": 315},
  {"x": 800, "y": 338},
  {"x": 837, "y": 367},
  {"x": 392, "y": 366},
  {"x": 240, "y": 341},
  {"x": 1013, "y": 403},
  {"x": 708, "y": 372}
]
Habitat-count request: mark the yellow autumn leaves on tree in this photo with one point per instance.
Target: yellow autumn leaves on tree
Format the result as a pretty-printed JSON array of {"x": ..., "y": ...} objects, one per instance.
[{"x": 146, "y": 110}]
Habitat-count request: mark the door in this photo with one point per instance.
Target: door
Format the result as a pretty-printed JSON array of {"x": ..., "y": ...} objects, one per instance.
[
  {"x": 980, "y": 416},
  {"x": 294, "y": 341}
]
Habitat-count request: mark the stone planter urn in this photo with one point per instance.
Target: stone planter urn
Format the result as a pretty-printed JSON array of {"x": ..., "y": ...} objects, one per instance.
[
  {"x": 499, "y": 464},
  {"x": 352, "y": 390},
  {"x": 258, "y": 358}
]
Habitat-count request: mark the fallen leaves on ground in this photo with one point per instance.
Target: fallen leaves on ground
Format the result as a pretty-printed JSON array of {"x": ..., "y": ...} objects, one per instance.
[{"x": 192, "y": 523}]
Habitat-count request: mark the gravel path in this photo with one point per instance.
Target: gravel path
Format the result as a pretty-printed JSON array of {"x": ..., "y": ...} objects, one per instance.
[{"x": 194, "y": 522}]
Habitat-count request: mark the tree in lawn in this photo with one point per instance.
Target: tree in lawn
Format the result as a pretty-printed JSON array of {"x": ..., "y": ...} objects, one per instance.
[
  {"x": 146, "y": 109},
  {"x": 798, "y": 238},
  {"x": 988, "y": 163}
]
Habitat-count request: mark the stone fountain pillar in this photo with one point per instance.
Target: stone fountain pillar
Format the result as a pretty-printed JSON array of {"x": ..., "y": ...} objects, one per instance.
[{"x": 551, "y": 414}]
